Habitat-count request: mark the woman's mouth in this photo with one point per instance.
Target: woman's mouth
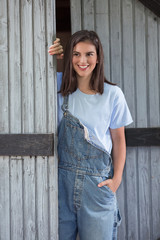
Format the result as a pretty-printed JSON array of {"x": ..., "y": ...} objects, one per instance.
[{"x": 83, "y": 67}]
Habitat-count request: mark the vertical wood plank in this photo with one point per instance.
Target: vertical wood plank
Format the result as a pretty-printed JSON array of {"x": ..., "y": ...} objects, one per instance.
[
  {"x": 41, "y": 117},
  {"x": 141, "y": 108},
  {"x": 16, "y": 213},
  {"x": 14, "y": 65},
  {"x": 42, "y": 198},
  {"x": 4, "y": 199},
  {"x": 16, "y": 198},
  {"x": 102, "y": 16},
  {"x": 29, "y": 176},
  {"x": 88, "y": 7},
  {"x": 154, "y": 119},
  {"x": 128, "y": 78},
  {"x": 115, "y": 40},
  {"x": 4, "y": 126},
  {"x": 52, "y": 123},
  {"x": 29, "y": 228},
  {"x": 76, "y": 15},
  {"x": 40, "y": 66},
  {"x": 116, "y": 77},
  {"x": 155, "y": 188},
  {"x": 27, "y": 67}
]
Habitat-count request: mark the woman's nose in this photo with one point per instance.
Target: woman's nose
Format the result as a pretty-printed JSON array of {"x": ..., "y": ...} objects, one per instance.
[{"x": 83, "y": 59}]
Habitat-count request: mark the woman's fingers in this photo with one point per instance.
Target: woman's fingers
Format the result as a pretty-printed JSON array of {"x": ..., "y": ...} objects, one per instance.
[
  {"x": 109, "y": 183},
  {"x": 56, "y": 48}
]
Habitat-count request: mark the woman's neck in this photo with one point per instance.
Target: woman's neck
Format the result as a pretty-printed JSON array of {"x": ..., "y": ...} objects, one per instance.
[{"x": 83, "y": 85}]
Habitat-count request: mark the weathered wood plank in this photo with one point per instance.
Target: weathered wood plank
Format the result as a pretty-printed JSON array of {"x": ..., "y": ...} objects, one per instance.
[
  {"x": 4, "y": 110},
  {"x": 153, "y": 118},
  {"x": 42, "y": 214},
  {"x": 26, "y": 144},
  {"x": 40, "y": 78},
  {"x": 27, "y": 78},
  {"x": 4, "y": 125},
  {"x": 14, "y": 66},
  {"x": 128, "y": 75},
  {"x": 143, "y": 159},
  {"x": 88, "y": 11},
  {"x": 115, "y": 42},
  {"x": 155, "y": 192},
  {"x": 115, "y": 33},
  {"x": 143, "y": 167},
  {"x": 52, "y": 124},
  {"x": 16, "y": 211},
  {"x": 40, "y": 93},
  {"x": 102, "y": 16},
  {"x": 4, "y": 199},
  {"x": 29, "y": 203},
  {"x": 142, "y": 137},
  {"x": 27, "y": 89},
  {"x": 76, "y": 15}
]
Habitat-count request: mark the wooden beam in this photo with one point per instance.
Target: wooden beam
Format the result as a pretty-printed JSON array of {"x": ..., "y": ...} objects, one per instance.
[
  {"x": 153, "y": 5},
  {"x": 43, "y": 144},
  {"x": 26, "y": 144},
  {"x": 136, "y": 137}
]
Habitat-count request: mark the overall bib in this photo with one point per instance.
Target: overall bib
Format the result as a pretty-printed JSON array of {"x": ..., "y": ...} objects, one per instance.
[{"x": 83, "y": 206}]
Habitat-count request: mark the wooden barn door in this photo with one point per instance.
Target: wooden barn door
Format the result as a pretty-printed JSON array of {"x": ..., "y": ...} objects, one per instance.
[
  {"x": 28, "y": 161},
  {"x": 130, "y": 36}
]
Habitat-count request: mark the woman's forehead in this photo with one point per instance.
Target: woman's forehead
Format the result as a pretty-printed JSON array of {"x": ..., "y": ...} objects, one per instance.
[{"x": 84, "y": 46}]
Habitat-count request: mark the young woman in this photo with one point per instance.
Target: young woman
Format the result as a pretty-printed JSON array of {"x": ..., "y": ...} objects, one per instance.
[{"x": 92, "y": 116}]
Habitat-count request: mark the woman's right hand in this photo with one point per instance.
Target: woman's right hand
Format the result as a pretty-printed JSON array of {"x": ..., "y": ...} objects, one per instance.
[{"x": 56, "y": 49}]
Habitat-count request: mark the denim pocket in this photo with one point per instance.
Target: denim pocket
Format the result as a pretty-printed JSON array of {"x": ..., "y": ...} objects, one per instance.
[{"x": 108, "y": 189}]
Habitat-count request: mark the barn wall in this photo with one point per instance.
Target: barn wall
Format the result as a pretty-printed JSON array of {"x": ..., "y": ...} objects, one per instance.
[
  {"x": 130, "y": 35},
  {"x": 28, "y": 185}
]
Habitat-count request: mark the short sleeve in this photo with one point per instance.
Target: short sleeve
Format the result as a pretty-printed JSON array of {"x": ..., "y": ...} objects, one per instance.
[
  {"x": 59, "y": 80},
  {"x": 59, "y": 96},
  {"x": 121, "y": 115}
]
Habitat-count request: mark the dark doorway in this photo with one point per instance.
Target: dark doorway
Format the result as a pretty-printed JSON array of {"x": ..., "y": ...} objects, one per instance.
[{"x": 63, "y": 25}]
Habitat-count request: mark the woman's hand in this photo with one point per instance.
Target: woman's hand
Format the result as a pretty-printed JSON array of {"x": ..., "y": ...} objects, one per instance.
[
  {"x": 56, "y": 49},
  {"x": 113, "y": 184}
]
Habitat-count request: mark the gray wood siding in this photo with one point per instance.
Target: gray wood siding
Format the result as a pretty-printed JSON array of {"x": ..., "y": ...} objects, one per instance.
[
  {"x": 130, "y": 35},
  {"x": 28, "y": 185}
]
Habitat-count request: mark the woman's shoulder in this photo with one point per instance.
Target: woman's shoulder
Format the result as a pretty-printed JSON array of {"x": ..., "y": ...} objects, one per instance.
[{"x": 112, "y": 90}]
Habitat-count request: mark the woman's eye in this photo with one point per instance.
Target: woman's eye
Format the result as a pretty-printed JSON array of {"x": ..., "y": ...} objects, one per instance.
[
  {"x": 89, "y": 54},
  {"x": 75, "y": 54}
]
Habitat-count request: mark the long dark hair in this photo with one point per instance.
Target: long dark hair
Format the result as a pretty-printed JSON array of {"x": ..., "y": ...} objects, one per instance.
[{"x": 69, "y": 80}]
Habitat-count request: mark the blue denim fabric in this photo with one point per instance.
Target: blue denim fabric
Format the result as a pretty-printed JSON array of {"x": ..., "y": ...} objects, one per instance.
[{"x": 84, "y": 208}]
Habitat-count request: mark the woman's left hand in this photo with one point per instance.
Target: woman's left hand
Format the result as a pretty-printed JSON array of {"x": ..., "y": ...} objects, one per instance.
[
  {"x": 56, "y": 49},
  {"x": 113, "y": 184}
]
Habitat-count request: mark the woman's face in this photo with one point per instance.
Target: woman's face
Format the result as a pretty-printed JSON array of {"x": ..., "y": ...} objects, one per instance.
[{"x": 84, "y": 59}]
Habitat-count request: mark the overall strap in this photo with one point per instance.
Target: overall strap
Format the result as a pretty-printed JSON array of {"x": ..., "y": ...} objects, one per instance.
[{"x": 65, "y": 104}]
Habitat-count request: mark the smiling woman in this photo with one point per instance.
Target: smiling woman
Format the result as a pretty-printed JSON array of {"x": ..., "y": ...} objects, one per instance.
[{"x": 92, "y": 113}]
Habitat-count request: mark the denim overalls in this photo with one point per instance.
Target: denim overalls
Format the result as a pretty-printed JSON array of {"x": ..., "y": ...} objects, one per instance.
[{"x": 83, "y": 206}]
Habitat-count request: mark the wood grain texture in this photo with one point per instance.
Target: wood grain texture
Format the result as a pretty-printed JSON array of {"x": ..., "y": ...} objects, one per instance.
[
  {"x": 26, "y": 144},
  {"x": 76, "y": 15},
  {"x": 88, "y": 11},
  {"x": 52, "y": 124},
  {"x": 142, "y": 137},
  {"x": 27, "y": 106},
  {"x": 4, "y": 198},
  {"x": 101, "y": 17}
]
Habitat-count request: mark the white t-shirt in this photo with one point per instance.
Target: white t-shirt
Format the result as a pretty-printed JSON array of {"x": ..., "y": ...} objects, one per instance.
[{"x": 98, "y": 112}]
